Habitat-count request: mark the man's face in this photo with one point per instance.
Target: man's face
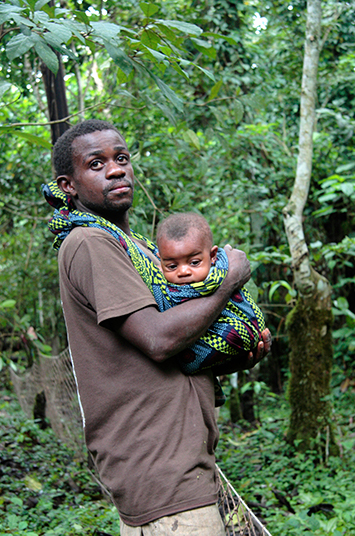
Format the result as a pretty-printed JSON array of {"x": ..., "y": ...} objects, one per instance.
[
  {"x": 187, "y": 260},
  {"x": 103, "y": 178}
]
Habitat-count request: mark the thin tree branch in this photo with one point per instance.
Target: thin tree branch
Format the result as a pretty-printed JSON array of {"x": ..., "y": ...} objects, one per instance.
[{"x": 68, "y": 117}]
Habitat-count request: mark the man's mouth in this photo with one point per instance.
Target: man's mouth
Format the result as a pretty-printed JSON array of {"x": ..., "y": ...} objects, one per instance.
[{"x": 121, "y": 187}]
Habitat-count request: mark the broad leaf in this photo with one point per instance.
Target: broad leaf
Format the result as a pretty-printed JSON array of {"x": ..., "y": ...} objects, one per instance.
[
  {"x": 215, "y": 90},
  {"x": 47, "y": 56},
  {"x": 40, "y": 4},
  {"x": 191, "y": 138},
  {"x": 150, "y": 39},
  {"x": 105, "y": 30},
  {"x": 148, "y": 9},
  {"x": 178, "y": 69},
  {"x": 206, "y": 71},
  {"x": 82, "y": 17},
  {"x": 154, "y": 54},
  {"x": 168, "y": 93},
  {"x": 4, "y": 86},
  {"x": 18, "y": 46},
  {"x": 61, "y": 31},
  {"x": 185, "y": 27},
  {"x": 36, "y": 140},
  {"x": 21, "y": 21},
  {"x": 119, "y": 57},
  {"x": 7, "y": 12},
  {"x": 205, "y": 47}
]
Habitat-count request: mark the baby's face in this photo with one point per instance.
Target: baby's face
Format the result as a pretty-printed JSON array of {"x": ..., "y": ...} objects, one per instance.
[{"x": 188, "y": 260}]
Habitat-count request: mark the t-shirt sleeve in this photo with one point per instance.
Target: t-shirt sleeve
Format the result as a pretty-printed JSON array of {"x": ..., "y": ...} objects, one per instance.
[{"x": 102, "y": 272}]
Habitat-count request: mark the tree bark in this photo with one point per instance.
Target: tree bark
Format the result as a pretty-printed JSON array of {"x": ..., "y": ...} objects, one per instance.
[
  {"x": 56, "y": 96},
  {"x": 309, "y": 323},
  {"x": 56, "y": 99}
]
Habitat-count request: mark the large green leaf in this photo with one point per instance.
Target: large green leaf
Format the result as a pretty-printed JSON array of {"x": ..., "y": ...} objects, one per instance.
[
  {"x": 119, "y": 57},
  {"x": 82, "y": 17},
  {"x": 215, "y": 90},
  {"x": 36, "y": 140},
  {"x": 150, "y": 39},
  {"x": 22, "y": 21},
  {"x": 7, "y": 11},
  {"x": 52, "y": 40},
  {"x": 4, "y": 86},
  {"x": 206, "y": 71},
  {"x": 19, "y": 45},
  {"x": 47, "y": 56},
  {"x": 40, "y": 17},
  {"x": 105, "y": 30},
  {"x": 61, "y": 31},
  {"x": 40, "y": 3},
  {"x": 168, "y": 93},
  {"x": 148, "y": 9},
  {"x": 185, "y": 27},
  {"x": 204, "y": 47},
  {"x": 154, "y": 54}
]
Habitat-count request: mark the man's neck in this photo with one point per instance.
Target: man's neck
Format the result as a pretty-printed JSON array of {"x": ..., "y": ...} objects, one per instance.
[{"x": 119, "y": 219}]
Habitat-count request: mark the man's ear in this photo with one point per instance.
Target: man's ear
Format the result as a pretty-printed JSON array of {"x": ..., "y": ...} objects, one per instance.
[
  {"x": 66, "y": 184},
  {"x": 213, "y": 254}
]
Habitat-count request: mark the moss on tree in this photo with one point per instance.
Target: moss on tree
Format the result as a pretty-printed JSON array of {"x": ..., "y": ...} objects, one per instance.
[{"x": 309, "y": 330}]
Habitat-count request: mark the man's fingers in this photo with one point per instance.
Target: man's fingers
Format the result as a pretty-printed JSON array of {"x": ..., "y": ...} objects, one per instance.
[{"x": 267, "y": 340}]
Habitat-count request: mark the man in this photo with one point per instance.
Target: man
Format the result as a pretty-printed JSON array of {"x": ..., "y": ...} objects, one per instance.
[{"x": 150, "y": 429}]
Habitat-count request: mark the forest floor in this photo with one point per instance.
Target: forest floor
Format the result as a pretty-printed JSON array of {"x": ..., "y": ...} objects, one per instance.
[{"x": 46, "y": 491}]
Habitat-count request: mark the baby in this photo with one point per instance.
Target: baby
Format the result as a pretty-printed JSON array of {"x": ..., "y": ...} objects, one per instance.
[
  {"x": 187, "y": 254},
  {"x": 185, "y": 248}
]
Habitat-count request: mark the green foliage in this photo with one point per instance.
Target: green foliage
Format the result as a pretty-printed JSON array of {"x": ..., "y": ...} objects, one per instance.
[
  {"x": 294, "y": 493},
  {"x": 149, "y": 42},
  {"x": 44, "y": 490}
]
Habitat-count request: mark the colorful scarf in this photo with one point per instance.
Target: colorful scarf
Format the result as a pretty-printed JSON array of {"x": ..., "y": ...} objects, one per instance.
[{"x": 238, "y": 328}]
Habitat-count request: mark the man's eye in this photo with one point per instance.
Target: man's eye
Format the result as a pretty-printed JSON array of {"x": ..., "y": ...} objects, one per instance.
[
  {"x": 95, "y": 164},
  {"x": 122, "y": 158}
]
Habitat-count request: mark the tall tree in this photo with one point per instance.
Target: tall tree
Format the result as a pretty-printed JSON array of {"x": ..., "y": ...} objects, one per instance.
[{"x": 309, "y": 323}]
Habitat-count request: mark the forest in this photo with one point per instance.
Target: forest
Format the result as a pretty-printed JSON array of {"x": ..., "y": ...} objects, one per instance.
[{"x": 242, "y": 111}]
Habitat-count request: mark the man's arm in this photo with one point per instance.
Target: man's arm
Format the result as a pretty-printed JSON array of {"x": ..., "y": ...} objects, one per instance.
[{"x": 162, "y": 335}]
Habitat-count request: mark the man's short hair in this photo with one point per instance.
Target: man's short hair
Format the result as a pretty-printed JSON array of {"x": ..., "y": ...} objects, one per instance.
[
  {"x": 63, "y": 147},
  {"x": 177, "y": 226}
]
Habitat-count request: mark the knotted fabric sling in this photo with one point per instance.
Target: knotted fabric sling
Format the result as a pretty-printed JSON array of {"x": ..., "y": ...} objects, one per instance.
[{"x": 229, "y": 339}]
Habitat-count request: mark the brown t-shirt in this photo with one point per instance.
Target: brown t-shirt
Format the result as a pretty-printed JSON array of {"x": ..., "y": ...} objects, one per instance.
[{"x": 151, "y": 429}]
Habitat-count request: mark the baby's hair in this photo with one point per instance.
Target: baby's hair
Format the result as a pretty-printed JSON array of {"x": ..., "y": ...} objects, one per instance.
[{"x": 177, "y": 226}]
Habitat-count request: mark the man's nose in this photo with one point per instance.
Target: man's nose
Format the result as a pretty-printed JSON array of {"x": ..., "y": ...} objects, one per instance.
[{"x": 114, "y": 169}]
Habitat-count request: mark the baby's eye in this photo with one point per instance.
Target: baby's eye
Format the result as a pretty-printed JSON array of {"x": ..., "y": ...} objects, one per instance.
[
  {"x": 195, "y": 262},
  {"x": 171, "y": 267}
]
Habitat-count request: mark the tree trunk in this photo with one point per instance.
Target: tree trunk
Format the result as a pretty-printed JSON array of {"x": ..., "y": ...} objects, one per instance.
[
  {"x": 56, "y": 96},
  {"x": 56, "y": 99},
  {"x": 309, "y": 323}
]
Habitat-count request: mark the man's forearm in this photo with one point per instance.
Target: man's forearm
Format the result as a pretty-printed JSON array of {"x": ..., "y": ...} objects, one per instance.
[{"x": 162, "y": 335}]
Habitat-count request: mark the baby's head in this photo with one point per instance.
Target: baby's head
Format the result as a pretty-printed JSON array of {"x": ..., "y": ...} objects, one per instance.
[{"x": 185, "y": 248}]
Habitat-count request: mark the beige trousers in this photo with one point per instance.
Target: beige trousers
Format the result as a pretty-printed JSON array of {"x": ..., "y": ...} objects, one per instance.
[{"x": 204, "y": 521}]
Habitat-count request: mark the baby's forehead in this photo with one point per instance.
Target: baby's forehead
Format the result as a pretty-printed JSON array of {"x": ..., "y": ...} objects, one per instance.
[{"x": 194, "y": 234}]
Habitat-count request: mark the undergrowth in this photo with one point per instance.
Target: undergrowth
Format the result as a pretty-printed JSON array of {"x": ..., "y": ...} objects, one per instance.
[
  {"x": 294, "y": 494},
  {"x": 46, "y": 491}
]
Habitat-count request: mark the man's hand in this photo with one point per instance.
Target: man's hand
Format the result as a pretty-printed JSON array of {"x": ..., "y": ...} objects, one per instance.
[
  {"x": 262, "y": 349},
  {"x": 238, "y": 267},
  {"x": 246, "y": 360}
]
